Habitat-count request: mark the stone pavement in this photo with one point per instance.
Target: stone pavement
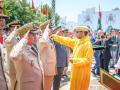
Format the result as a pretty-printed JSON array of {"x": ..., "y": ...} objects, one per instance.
[{"x": 94, "y": 84}]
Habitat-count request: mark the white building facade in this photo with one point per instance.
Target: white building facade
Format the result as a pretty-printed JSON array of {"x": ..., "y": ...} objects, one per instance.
[{"x": 109, "y": 18}]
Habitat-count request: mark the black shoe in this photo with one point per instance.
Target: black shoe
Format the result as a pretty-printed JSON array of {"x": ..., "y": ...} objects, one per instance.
[
  {"x": 98, "y": 74},
  {"x": 93, "y": 73}
]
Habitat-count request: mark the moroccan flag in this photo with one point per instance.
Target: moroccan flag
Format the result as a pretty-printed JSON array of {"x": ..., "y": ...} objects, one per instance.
[
  {"x": 100, "y": 13},
  {"x": 33, "y": 7},
  {"x": 99, "y": 23},
  {"x": 46, "y": 10},
  {"x": 99, "y": 18}
]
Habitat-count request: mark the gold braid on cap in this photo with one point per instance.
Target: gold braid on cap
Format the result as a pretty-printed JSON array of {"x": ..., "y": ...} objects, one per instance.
[
  {"x": 25, "y": 28},
  {"x": 43, "y": 25}
]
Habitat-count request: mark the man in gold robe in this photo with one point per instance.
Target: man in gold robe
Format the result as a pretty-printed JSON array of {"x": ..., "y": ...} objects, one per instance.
[{"x": 81, "y": 59}]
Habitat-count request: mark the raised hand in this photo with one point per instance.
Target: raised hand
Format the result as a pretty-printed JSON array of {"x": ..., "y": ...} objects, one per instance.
[
  {"x": 26, "y": 35},
  {"x": 47, "y": 32}
]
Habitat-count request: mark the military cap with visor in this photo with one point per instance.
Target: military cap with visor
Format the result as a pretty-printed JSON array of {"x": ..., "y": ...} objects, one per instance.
[
  {"x": 25, "y": 28},
  {"x": 14, "y": 23},
  {"x": 2, "y": 16},
  {"x": 44, "y": 24},
  {"x": 65, "y": 30},
  {"x": 55, "y": 29}
]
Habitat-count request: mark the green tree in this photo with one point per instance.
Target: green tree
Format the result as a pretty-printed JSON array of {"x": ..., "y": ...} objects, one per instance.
[{"x": 21, "y": 10}]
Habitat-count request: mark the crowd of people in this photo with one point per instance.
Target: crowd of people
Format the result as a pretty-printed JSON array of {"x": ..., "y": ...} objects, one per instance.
[
  {"x": 108, "y": 57},
  {"x": 37, "y": 57},
  {"x": 30, "y": 60}
]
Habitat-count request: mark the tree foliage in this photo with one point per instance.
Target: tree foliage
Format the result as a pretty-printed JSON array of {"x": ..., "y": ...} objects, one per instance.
[{"x": 21, "y": 10}]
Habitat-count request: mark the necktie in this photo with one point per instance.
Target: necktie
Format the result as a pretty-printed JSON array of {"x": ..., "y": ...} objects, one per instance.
[{"x": 34, "y": 49}]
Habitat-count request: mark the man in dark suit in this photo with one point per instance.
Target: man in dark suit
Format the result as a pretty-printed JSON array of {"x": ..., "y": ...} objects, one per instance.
[
  {"x": 105, "y": 54},
  {"x": 61, "y": 53}
]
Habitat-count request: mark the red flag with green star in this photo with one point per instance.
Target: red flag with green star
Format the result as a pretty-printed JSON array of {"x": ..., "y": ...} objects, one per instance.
[
  {"x": 99, "y": 18},
  {"x": 100, "y": 13}
]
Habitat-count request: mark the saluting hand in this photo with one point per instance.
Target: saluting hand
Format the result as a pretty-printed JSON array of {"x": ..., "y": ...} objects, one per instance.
[{"x": 26, "y": 35}]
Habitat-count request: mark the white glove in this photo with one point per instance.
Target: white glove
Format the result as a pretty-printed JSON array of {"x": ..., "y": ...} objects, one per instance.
[
  {"x": 45, "y": 35},
  {"x": 18, "y": 48}
]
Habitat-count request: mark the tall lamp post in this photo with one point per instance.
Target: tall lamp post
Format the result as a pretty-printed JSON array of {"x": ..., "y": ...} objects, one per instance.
[{"x": 53, "y": 13}]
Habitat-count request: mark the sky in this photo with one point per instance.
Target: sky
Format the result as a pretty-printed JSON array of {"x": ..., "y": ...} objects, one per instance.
[{"x": 71, "y": 8}]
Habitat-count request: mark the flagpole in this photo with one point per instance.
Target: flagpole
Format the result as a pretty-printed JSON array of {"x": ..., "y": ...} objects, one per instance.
[
  {"x": 99, "y": 18},
  {"x": 41, "y": 13},
  {"x": 53, "y": 12}
]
